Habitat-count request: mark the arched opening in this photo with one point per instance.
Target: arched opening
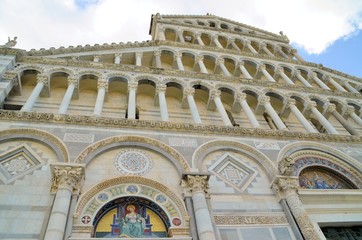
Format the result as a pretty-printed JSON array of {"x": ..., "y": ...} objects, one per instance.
[{"x": 131, "y": 217}]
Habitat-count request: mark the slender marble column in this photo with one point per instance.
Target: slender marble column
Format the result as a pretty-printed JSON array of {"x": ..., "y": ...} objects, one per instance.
[
  {"x": 326, "y": 124},
  {"x": 160, "y": 91},
  {"x": 180, "y": 36},
  {"x": 335, "y": 84},
  {"x": 132, "y": 88},
  {"x": 199, "y": 187},
  {"x": 189, "y": 92},
  {"x": 307, "y": 126},
  {"x": 280, "y": 51},
  {"x": 319, "y": 82},
  {"x": 250, "y": 47},
  {"x": 231, "y": 41},
  {"x": 200, "y": 61},
  {"x": 272, "y": 113},
  {"x": 199, "y": 40},
  {"x": 344, "y": 123},
  {"x": 350, "y": 111},
  {"x": 117, "y": 58},
  {"x": 262, "y": 68},
  {"x": 66, "y": 180},
  {"x": 302, "y": 79},
  {"x": 221, "y": 64},
  {"x": 139, "y": 58},
  {"x": 246, "y": 108},
  {"x": 72, "y": 84},
  {"x": 263, "y": 46},
  {"x": 296, "y": 55},
  {"x": 180, "y": 65},
  {"x": 287, "y": 187},
  {"x": 102, "y": 88},
  {"x": 161, "y": 34},
  {"x": 41, "y": 82},
  {"x": 244, "y": 71},
  {"x": 286, "y": 79},
  {"x": 349, "y": 87},
  {"x": 157, "y": 55},
  {"x": 215, "y": 95},
  {"x": 216, "y": 41}
]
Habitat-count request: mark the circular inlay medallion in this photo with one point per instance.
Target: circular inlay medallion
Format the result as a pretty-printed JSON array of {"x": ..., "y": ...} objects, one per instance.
[
  {"x": 86, "y": 219},
  {"x": 176, "y": 221},
  {"x": 103, "y": 197},
  {"x": 133, "y": 162}
]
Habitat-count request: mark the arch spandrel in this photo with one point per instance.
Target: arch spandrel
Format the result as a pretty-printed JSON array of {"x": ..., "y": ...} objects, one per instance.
[
  {"x": 87, "y": 154},
  {"x": 295, "y": 157},
  {"x": 242, "y": 148},
  {"x": 98, "y": 196}
]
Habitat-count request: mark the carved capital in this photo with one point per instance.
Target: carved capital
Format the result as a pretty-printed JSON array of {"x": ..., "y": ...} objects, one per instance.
[
  {"x": 231, "y": 40},
  {"x": 199, "y": 58},
  {"x": 214, "y": 37},
  {"x": 103, "y": 84},
  {"x": 240, "y": 97},
  {"x": 264, "y": 100},
  {"x": 198, "y": 183},
  {"x": 96, "y": 58},
  {"x": 280, "y": 70},
  {"x": 215, "y": 93},
  {"x": 348, "y": 110},
  {"x": 189, "y": 91},
  {"x": 139, "y": 54},
  {"x": 286, "y": 184},
  {"x": 311, "y": 104},
  {"x": 42, "y": 79},
  {"x": 220, "y": 61},
  {"x": 290, "y": 102},
  {"x": 132, "y": 86},
  {"x": 118, "y": 55},
  {"x": 73, "y": 81},
  {"x": 178, "y": 55},
  {"x": 157, "y": 53},
  {"x": 331, "y": 108},
  {"x": 262, "y": 45},
  {"x": 262, "y": 67},
  {"x": 67, "y": 175},
  {"x": 161, "y": 88}
]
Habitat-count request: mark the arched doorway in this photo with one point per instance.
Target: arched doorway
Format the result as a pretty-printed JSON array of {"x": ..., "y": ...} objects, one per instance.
[{"x": 131, "y": 217}]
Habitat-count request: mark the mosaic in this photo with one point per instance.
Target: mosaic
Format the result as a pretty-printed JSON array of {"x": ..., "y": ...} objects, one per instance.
[
  {"x": 314, "y": 178},
  {"x": 133, "y": 162}
]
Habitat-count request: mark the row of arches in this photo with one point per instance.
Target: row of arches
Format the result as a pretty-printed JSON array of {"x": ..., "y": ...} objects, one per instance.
[
  {"x": 212, "y": 101},
  {"x": 208, "y": 63}
]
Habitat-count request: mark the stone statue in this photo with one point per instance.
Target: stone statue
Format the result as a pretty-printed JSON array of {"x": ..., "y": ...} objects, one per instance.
[{"x": 10, "y": 43}]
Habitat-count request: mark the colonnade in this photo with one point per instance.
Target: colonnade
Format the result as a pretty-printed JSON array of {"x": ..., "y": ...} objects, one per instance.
[{"x": 263, "y": 106}]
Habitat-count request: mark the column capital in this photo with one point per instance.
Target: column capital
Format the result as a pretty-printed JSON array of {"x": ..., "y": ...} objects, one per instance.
[
  {"x": 241, "y": 63},
  {"x": 96, "y": 58},
  {"x": 118, "y": 55},
  {"x": 157, "y": 53},
  {"x": 197, "y": 34},
  {"x": 280, "y": 70},
  {"x": 73, "y": 81},
  {"x": 297, "y": 72},
  {"x": 67, "y": 175},
  {"x": 189, "y": 91},
  {"x": 290, "y": 102},
  {"x": 161, "y": 88},
  {"x": 139, "y": 54},
  {"x": 311, "y": 104},
  {"x": 262, "y": 66},
  {"x": 199, "y": 58},
  {"x": 230, "y": 40},
  {"x": 312, "y": 74},
  {"x": 215, "y": 93},
  {"x": 348, "y": 110},
  {"x": 284, "y": 184},
  {"x": 331, "y": 108},
  {"x": 262, "y": 45},
  {"x": 214, "y": 36},
  {"x": 11, "y": 76},
  {"x": 264, "y": 100},
  {"x": 247, "y": 41},
  {"x": 179, "y": 31},
  {"x": 220, "y": 61},
  {"x": 132, "y": 86},
  {"x": 198, "y": 183},
  {"x": 178, "y": 55},
  {"x": 102, "y": 84},
  {"x": 42, "y": 79},
  {"x": 240, "y": 97}
]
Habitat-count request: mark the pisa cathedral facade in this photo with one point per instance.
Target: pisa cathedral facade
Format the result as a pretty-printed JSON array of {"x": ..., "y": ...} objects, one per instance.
[{"x": 211, "y": 130}]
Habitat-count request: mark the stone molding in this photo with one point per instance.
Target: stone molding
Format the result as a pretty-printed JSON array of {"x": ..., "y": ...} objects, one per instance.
[
  {"x": 41, "y": 135},
  {"x": 119, "y": 139},
  {"x": 49, "y": 118},
  {"x": 271, "y": 219},
  {"x": 69, "y": 176}
]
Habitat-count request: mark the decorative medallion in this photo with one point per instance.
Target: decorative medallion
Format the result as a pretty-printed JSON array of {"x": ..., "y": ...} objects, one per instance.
[
  {"x": 176, "y": 222},
  {"x": 161, "y": 198},
  {"x": 103, "y": 197},
  {"x": 133, "y": 162},
  {"x": 86, "y": 219},
  {"x": 132, "y": 189}
]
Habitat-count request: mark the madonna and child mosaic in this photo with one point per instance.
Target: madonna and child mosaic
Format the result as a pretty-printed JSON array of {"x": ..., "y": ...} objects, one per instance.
[{"x": 315, "y": 178}]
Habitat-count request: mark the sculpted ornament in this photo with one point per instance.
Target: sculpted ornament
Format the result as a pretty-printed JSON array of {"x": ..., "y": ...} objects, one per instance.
[
  {"x": 198, "y": 183},
  {"x": 285, "y": 166},
  {"x": 67, "y": 176}
]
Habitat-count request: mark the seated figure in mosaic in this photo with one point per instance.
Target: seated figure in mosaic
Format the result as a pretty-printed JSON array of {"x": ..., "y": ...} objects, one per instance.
[{"x": 132, "y": 225}]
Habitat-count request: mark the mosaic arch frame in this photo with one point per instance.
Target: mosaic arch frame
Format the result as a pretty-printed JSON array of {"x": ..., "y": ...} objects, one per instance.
[
  {"x": 170, "y": 153},
  {"x": 92, "y": 201},
  {"x": 296, "y": 157},
  {"x": 41, "y": 136},
  {"x": 211, "y": 146}
]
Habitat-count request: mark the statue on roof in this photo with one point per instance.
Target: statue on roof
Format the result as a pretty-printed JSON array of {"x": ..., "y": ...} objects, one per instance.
[{"x": 10, "y": 43}]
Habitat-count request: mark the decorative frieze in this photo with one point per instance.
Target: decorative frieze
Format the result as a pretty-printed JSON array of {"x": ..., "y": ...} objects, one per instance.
[{"x": 271, "y": 219}]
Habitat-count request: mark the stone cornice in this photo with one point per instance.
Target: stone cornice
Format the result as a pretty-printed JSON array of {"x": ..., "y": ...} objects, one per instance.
[
  {"x": 119, "y": 123},
  {"x": 184, "y": 74}
]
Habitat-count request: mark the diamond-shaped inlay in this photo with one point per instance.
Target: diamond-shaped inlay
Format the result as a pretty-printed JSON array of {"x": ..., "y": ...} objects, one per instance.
[
  {"x": 234, "y": 172},
  {"x": 18, "y": 162}
]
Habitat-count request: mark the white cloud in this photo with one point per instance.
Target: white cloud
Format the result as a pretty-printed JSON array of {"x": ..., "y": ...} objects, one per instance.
[{"x": 311, "y": 24}]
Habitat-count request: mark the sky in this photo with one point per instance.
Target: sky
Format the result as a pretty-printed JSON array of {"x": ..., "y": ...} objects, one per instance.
[{"x": 323, "y": 31}]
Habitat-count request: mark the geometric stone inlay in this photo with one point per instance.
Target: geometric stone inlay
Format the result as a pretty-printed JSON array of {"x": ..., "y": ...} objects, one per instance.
[
  {"x": 133, "y": 162},
  {"x": 267, "y": 145},
  {"x": 18, "y": 162},
  {"x": 78, "y": 138},
  {"x": 234, "y": 172}
]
